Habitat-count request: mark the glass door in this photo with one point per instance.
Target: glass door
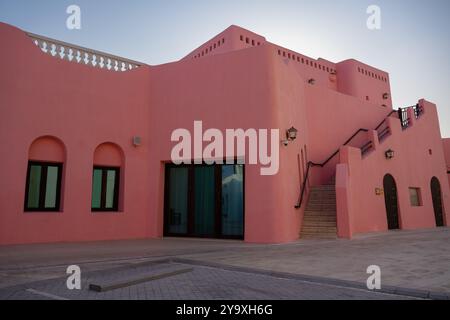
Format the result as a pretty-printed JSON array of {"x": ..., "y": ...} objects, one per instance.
[
  {"x": 177, "y": 201},
  {"x": 232, "y": 200},
  {"x": 204, "y": 201}
]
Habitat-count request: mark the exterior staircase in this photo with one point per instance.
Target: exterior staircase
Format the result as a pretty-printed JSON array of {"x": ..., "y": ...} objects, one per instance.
[{"x": 319, "y": 221}]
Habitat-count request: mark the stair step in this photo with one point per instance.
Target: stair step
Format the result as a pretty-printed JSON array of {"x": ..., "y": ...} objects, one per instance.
[
  {"x": 328, "y": 213},
  {"x": 316, "y": 236},
  {"x": 327, "y": 193},
  {"x": 314, "y": 197},
  {"x": 325, "y": 187},
  {"x": 318, "y": 203},
  {"x": 312, "y": 218},
  {"x": 319, "y": 220},
  {"x": 323, "y": 193},
  {"x": 321, "y": 206},
  {"x": 319, "y": 224},
  {"x": 324, "y": 229}
]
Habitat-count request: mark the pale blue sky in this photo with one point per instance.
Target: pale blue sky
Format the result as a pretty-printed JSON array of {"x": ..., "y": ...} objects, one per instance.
[{"x": 413, "y": 43}]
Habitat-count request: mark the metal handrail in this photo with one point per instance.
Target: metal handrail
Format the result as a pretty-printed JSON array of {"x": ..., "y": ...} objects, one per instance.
[
  {"x": 381, "y": 123},
  {"x": 312, "y": 164}
]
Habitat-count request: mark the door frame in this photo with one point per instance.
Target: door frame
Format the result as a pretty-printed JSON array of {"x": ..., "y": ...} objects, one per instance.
[{"x": 191, "y": 202}]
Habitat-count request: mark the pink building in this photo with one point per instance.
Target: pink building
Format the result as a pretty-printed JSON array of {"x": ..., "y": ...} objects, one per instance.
[{"x": 86, "y": 145}]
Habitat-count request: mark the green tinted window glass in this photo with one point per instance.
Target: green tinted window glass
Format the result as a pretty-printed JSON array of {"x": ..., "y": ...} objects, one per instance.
[
  {"x": 51, "y": 187},
  {"x": 110, "y": 188},
  {"x": 34, "y": 186},
  {"x": 97, "y": 189}
]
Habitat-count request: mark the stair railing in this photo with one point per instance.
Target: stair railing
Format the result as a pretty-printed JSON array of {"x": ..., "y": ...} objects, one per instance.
[
  {"x": 323, "y": 164},
  {"x": 365, "y": 148}
]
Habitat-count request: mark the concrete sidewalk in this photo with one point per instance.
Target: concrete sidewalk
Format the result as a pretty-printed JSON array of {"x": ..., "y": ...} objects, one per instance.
[{"x": 410, "y": 259}]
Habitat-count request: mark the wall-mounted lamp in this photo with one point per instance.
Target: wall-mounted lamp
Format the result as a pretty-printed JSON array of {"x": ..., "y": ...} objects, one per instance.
[
  {"x": 291, "y": 135},
  {"x": 389, "y": 154},
  {"x": 137, "y": 141},
  {"x": 385, "y": 96},
  {"x": 312, "y": 81}
]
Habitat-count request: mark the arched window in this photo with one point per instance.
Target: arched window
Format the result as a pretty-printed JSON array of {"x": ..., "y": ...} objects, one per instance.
[
  {"x": 46, "y": 158},
  {"x": 106, "y": 178}
]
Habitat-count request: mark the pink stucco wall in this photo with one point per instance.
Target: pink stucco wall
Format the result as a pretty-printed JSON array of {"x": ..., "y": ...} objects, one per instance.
[
  {"x": 446, "y": 143},
  {"x": 418, "y": 158},
  {"x": 83, "y": 108},
  {"x": 85, "y": 116}
]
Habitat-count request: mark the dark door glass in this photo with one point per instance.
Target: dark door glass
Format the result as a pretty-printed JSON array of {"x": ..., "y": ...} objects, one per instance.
[
  {"x": 437, "y": 202},
  {"x": 390, "y": 197}
]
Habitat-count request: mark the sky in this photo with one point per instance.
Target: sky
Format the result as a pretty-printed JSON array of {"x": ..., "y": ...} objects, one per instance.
[{"x": 413, "y": 43}]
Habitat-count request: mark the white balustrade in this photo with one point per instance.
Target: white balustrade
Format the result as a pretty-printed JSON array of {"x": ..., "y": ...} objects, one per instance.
[{"x": 77, "y": 54}]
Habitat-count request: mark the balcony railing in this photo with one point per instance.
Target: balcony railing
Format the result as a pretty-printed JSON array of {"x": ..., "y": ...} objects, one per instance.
[{"x": 81, "y": 55}]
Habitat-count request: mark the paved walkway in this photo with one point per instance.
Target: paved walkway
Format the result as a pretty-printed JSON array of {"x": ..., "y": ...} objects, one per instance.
[
  {"x": 202, "y": 283},
  {"x": 410, "y": 259}
]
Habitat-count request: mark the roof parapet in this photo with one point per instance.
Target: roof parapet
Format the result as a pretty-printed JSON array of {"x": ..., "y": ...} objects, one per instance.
[{"x": 81, "y": 55}]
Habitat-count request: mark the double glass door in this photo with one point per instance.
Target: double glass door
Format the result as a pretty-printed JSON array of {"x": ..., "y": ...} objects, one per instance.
[{"x": 204, "y": 201}]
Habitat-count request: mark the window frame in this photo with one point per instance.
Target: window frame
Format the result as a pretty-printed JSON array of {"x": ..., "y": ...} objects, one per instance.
[
  {"x": 43, "y": 186},
  {"x": 105, "y": 170},
  {"x": 419, "y": 197}
]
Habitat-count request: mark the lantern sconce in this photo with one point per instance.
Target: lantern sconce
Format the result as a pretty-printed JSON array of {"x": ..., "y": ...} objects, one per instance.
[
  {"x": 389, "y": 154},
  {"x": 291, "y": 135}
]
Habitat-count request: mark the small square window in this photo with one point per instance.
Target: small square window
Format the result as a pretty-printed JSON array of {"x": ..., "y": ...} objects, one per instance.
[{"x": 415, "y": 197}]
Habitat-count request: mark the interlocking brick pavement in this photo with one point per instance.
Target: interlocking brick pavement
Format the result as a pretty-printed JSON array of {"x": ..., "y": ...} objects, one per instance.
[{"x": 203, "y": 283}]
